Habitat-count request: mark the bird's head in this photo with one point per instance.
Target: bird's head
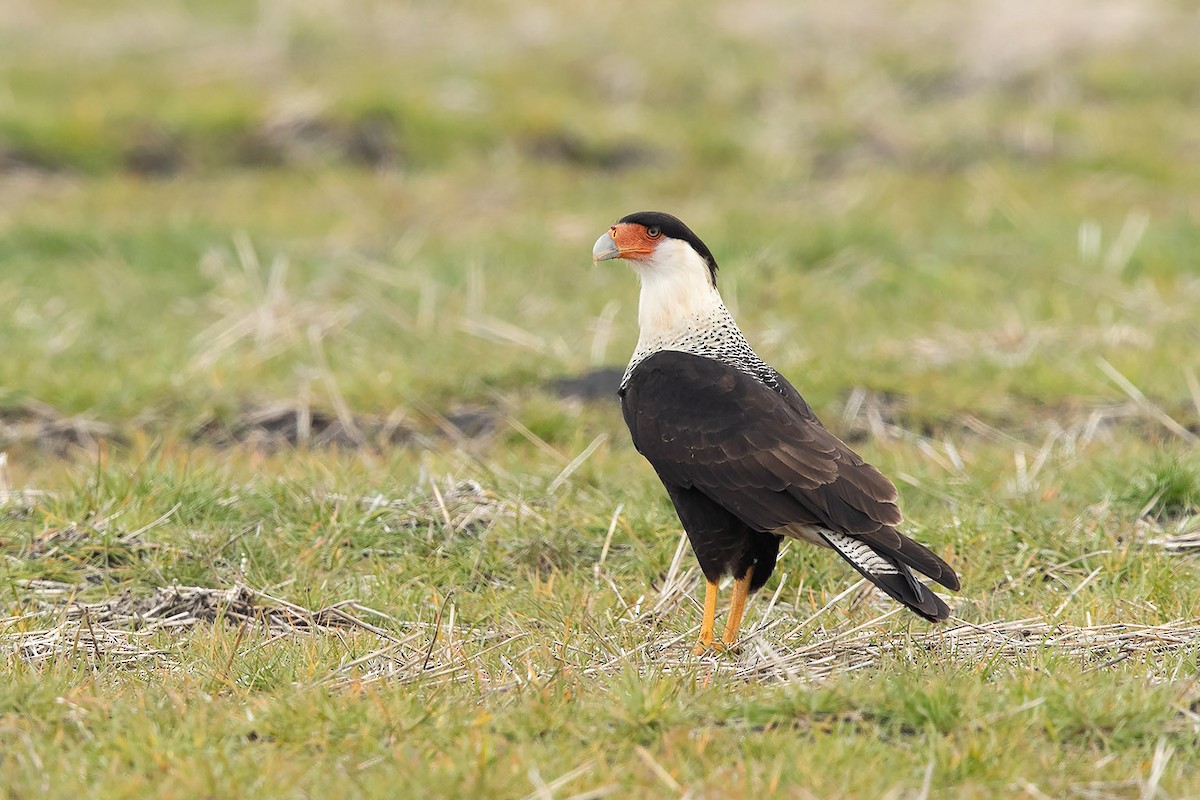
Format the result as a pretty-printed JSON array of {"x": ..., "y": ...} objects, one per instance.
[{"x": 656, "y": 244}]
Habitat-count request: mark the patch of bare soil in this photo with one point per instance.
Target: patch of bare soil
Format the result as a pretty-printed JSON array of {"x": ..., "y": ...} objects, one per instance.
[
  {"x": 594, "y": 385},
  {"x": 276, "y": 426},
  {"x": 372, "y": 139},
  {"x": 867, "y": 414},
  {"x": 568, "y": 148},
  {"x": 874, "y": 414},
  {"x": 267, "y": 427},
  {"x": 153, "y": 149},
  {"x": 287, "y": 424}
]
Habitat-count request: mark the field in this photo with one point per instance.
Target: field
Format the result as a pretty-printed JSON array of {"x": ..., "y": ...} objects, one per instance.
[{"x": 313, "y": 481}]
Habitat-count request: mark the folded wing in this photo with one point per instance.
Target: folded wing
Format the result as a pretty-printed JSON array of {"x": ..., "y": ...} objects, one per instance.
[{"x": 763, "y": 455}]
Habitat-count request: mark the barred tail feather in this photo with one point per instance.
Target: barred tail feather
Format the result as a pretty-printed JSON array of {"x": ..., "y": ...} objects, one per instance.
[{"x": 893, "y": 577}]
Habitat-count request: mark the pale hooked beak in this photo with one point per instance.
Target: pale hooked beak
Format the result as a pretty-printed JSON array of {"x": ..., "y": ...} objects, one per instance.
[{"x": 605, "y": 248}]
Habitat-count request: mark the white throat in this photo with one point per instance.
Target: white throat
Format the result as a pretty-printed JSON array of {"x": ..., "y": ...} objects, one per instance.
[{"x": 677, "y": 293}]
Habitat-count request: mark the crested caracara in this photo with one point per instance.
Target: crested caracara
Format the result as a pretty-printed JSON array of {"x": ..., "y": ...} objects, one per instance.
[{"x": 744, "y": 459}]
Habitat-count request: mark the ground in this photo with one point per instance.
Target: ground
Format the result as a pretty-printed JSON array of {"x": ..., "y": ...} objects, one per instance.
[{"x": 313, "y": 482}]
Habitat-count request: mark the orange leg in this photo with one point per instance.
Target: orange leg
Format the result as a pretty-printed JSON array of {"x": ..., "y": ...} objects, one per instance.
[
  {"x": 737, "y": 606},
  {"x": 709, "y": 621}
]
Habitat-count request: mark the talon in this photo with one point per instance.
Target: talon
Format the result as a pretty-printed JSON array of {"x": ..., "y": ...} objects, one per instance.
[{"x": 713, "y": 648}]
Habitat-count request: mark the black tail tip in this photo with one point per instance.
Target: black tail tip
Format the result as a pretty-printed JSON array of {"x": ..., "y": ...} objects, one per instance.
[{"x": 929, "y": 606}]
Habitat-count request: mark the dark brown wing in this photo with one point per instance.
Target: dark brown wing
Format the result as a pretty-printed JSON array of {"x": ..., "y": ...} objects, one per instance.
[{"x": 764, "y": 456}]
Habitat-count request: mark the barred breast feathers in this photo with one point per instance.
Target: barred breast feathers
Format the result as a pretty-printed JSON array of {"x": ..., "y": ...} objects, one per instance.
[{"x": 712, "y": 334}]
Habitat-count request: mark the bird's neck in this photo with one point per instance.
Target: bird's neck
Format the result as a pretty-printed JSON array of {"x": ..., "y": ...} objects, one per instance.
[
  {"x": 668, "y": 312},
  {"x": 680, "y": 310},
  {"x": 677, "y": 294}
]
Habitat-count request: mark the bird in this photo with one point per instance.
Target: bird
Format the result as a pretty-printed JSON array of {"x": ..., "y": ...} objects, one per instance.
[{"x": 743, "y": 457}]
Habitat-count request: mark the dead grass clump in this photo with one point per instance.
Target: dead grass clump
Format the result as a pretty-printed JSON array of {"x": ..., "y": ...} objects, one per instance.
[
  {"x": 1174, "y": 533},
  {"x": 256, "y": 313},
  {"x": 117, "y": 632},
  {"x": 36, "y": 423},
  {"x": 175, "y": 607},
  {"x": 1186, "y": 540},
  {"x": 780, "y": 648},
  {"x": 773, "y": 654},
  {"x": 91, "y": 641},
  {"x": 80, "y": 544},
  {"x": 457, "y": 506},
  {"x": 1018, "y": 642}
]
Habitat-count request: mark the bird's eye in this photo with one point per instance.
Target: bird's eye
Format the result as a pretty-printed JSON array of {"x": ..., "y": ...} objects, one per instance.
[{"x": 653, "y": 232}]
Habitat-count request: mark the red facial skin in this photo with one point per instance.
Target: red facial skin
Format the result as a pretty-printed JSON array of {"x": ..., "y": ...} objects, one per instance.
[{"x": 634, "y": 241}]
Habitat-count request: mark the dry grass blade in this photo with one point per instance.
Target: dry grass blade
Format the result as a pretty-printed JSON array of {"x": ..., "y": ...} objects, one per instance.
[
  {"x": 1136, "y": 395},
  {"x": 1184, "y": 538},
  {"x": 612, "y": 527},
  {"x": 176, "y": 607},
  {"x": 459, "y": 506},
  {"x": 659, "y": 771},
  {"x": 676, "y": 586},
  {"x": 837, "y": 652},
  {"x": 575, "y": 463},
  {"x": 1158, "y": 766},
  {"x": 115, "y": 631},
  {"x": 1067, "y": 600},
  {"x": 548, "y": 789},
  {"x": 497, "y": 330},
  {"x": 93, "y": 642},
  {"x": 260, "y": 311}
]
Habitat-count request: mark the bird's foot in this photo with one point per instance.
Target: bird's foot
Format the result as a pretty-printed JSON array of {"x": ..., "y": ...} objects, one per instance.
[{"x": 714, "y": 648}]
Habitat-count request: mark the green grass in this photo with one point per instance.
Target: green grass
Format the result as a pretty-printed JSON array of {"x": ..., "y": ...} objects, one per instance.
[{"x": 219, "y": 220}]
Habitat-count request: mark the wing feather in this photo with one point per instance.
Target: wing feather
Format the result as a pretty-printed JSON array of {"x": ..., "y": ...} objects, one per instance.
[{"x": 763, "y": 455}]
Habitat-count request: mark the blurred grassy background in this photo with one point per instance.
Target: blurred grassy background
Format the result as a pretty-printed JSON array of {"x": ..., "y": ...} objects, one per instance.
[
  {"x": 967, "y": 231},
  {"x": 966, "y": 203}
]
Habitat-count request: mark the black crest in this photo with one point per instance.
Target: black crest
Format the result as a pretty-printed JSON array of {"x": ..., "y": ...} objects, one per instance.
[{"x": 674, "y": 228}]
